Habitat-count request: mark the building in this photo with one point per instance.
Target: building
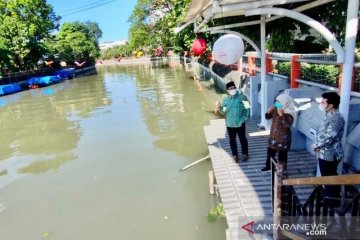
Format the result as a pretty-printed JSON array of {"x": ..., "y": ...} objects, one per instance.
[{"x": 110, "y": 44}]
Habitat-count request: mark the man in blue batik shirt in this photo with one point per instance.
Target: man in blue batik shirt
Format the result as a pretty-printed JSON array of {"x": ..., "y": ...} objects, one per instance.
[
  {"x": 236, "y": 110},
  {"x": 327, "y": 145}
]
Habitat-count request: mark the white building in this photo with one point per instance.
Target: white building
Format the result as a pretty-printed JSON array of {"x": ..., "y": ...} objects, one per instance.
[{"x": 106, "y": 45}]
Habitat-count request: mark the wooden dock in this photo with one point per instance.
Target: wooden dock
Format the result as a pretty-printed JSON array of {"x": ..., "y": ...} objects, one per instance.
[{"x": 245, "y": 191}]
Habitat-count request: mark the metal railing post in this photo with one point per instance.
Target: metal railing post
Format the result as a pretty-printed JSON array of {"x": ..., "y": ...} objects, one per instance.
[
  {"x": 268, "y": 63},
  {"x": 295, "y": 71}
]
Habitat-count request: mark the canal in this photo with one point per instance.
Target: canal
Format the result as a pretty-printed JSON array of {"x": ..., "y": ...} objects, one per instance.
[{"x": 98, "y": 157}]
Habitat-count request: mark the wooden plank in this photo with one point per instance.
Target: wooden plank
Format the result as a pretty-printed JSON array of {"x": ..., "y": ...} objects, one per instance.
[{"x": 244, "y": 190}]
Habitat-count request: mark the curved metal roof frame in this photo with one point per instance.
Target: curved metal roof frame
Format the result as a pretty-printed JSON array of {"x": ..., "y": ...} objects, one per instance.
[
  {"x": 224, "y": 8},
  {"x": 256, "y": 48},
  {"x": 208, "y": 9}
]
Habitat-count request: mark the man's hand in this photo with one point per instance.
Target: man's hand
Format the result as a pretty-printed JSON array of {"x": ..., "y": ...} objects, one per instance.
[
  {"x": 315, "y": 148},
  {"x": 217, "y": 106}
]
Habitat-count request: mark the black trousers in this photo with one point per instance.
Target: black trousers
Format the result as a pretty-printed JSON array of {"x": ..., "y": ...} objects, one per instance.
[
  {"x": 282, "y": 156},
  {"x": 240, "y": 131},
  {"x": 329, "y": 168}
]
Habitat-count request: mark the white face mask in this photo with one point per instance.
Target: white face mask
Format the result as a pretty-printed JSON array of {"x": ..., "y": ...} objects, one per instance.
[
  {"x": 322, "y": 108},
  {"x": 232, "y": 92}
]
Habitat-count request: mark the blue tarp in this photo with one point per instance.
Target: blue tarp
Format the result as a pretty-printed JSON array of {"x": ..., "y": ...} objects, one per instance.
[
  {"x": 67, "y": 73},
  {"x": 43, "y": 81},
  {"x": 9, "y": 88}
]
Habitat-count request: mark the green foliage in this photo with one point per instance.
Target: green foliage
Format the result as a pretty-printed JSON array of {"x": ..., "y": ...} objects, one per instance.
[
  {"x": 140, "y": 37},
  {"x": 93, "y": 30},
  {"x": 326, "y": 74},
  {"x": 153, "y": 23},
  {"x": 357, "y": 81},
  {"x": 284, "y": 35},
  {"x": 321, "y": 73},
  {"x": 284, "y": 68},
  {"x": 77, "y": 41},
  {"x": 281, "y": 39},
  {"x": 25, "y": 35},
  {"x": 23, "y": 26},
  {"x": 216, "y": 213},
  {"x": 333, "y": 15},
  {"x": 115, "y": 52},
  {"x": 309, "y": 45}
]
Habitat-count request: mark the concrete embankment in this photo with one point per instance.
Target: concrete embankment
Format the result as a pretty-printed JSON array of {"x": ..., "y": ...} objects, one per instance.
[{"x": 136, "y": 61}]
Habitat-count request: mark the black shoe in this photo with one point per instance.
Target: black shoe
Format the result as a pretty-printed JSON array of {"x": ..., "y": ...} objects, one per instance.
[
  {"x": 265, "y": 169},
  {"x": 244, "y": 157}
]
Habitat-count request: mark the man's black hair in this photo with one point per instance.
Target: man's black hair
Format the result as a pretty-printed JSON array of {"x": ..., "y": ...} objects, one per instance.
[
  {"x": 332, "y": 98},
  {"x": 230, "y": 84}
]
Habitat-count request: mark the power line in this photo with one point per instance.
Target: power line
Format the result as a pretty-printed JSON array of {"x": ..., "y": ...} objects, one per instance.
[
  {"x": 94, "y": 4},
  {"x": 87, "y": 7}
]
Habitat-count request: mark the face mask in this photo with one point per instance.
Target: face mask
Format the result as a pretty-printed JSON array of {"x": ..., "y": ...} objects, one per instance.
[
  {"x": 322, "y": 108},
  {"x": 277, "y": 105},
  {"x": 232, "y": 92}
]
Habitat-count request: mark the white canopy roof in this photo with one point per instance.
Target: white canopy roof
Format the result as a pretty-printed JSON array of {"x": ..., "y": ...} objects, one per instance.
[{"x": 205, "y": 10}]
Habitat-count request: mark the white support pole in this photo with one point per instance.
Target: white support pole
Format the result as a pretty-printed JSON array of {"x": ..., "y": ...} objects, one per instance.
[
  {"x": 350, "y": 40},
  {"x": 215, "y": 9},
  {"x": 179, "y": 29},
  {"x": 263, "y": 94},
  {"x": 203, "y": 23}
]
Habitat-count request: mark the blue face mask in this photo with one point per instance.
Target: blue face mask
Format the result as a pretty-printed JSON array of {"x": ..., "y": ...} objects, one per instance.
[{"x": 277, "y": 105}]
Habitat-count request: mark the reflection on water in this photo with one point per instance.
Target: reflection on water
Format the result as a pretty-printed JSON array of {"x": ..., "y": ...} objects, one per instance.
[
  {"x": 99, "y": 157},
  {"x": 174, "y": 111},
  {"x": 37, "y": 132}
]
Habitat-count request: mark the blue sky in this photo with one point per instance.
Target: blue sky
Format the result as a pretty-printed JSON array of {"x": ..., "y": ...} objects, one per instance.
[{"x": 111, "y": 15}]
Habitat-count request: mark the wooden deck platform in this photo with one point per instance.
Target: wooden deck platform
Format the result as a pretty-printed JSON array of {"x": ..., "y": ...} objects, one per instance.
[{"x": 244, "y": 190}]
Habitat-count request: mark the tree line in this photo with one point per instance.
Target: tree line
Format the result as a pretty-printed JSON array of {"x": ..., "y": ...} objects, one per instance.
[{"x": 30, "y": 31}]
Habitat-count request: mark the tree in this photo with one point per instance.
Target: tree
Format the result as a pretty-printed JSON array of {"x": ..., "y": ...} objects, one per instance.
[
  {"x": 115, "y": 52},
  {"x": 153, "y": 22},
  {"x": 23, "y": 26},
  {"x": 77, "y": 41},
  {"x": 93, "y": 30},
  {"x": 140, "y": 36}
]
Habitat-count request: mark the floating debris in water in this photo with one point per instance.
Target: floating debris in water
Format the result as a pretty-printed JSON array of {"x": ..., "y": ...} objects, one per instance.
[
  {"x": 46, "y": 235},
  {"x": 3, "y": 172}
]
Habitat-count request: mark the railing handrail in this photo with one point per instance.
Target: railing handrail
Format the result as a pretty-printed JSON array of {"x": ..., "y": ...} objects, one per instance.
[
  {"x": 305, "y": 57},
  {"x": 326, "y": 87},
  {"x": 327, "y": 180}
]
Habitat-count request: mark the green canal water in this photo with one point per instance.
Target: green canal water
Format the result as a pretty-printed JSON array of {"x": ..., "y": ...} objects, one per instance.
[{"x": 98, "y": 158}]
